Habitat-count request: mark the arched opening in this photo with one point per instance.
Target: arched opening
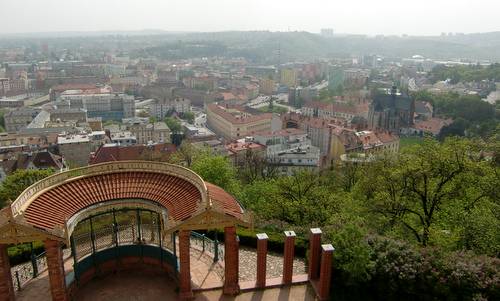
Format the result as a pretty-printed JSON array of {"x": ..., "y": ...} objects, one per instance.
[{"x": 121, "y": 238}]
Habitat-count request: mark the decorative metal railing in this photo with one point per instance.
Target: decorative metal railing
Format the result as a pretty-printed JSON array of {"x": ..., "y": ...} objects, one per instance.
[
  {"x": 24, "y": 272},
  {"x": 208, "y": 245},
  {"x": 21, "y": 274},
  {"x": 129, "y": 230},
  {"x": 40, "y": 264}
]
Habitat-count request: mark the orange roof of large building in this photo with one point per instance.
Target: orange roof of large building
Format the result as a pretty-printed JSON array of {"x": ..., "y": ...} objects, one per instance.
[
  {"x": 339, "y": 107},
  {"x": 240, "y": 116},
  {"x": 114, "y": 152},
  {"x": 314, "y": 122},
  {"x": 433, "y": 125},
  {"x": 64, "y": 87},
  {"x": 236, "y": 147},
  {"x": 386, "y": 137},
  {"x": 281, "y": 133}
]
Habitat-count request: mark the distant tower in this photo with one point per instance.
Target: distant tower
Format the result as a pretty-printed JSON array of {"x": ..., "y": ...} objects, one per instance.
[
  {"x": 327, "y": 32},
  {"x": 279, "y": 53}
]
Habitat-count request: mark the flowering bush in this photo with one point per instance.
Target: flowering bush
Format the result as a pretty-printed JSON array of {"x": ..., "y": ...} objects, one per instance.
[{"x": 399, "y": 270}]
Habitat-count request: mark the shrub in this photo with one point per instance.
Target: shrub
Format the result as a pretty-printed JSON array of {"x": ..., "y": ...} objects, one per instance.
[
  {"x": 352, "y": 254},
  {"x": 22, "y": 253},
  {"x": 276, "y": 241},
  {"x": 398, "y": 270}
]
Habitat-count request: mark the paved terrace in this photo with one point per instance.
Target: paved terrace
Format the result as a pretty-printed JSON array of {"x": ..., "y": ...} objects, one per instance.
[{"x": 204, "y": 273}]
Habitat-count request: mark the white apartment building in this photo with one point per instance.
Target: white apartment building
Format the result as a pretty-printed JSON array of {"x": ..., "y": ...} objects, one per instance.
[
  {"x": 161, "y": 108},
  {"x": 100, "y": 102}
]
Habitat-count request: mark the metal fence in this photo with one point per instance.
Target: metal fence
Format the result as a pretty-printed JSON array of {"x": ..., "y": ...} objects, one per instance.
[
  {"x": 116, "y": 228},
  {"x": 214, "y": 247},
  {"x": 137, "y": 228},
  {"x": 24, "y": 272}
]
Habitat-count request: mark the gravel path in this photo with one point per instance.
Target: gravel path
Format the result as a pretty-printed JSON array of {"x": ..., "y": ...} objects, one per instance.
[{"x": 248, "y": 264}]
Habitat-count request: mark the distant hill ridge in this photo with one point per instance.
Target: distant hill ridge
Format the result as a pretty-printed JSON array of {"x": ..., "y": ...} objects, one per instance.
[{"x": 262, "y": 46}]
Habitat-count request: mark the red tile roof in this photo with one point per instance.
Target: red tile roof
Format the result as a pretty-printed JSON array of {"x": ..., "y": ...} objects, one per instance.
[
  {"x": 224, "y": 199},
  {"x": 386, "y": 137},
  {"x": 236, "y": 147},
  {"x": 64, "y": 87},
  {"x": 181, "y": 198},
  {"x": 108, "y": 153},
  {"x": 55, "y": 206},
  {"x": 281, "y": 133},
  {"x": 244, "y": 118},
  {"x": 339, "y": 107},
  {"x": 433, "y": 125}
]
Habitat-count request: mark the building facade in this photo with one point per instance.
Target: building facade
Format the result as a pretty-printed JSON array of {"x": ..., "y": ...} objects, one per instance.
[
  {"x": 161, "y": 108},
  {"x": 157, "y": 132},
  {"x": 100, "y": 103},
  {"x": 233, "y": 122},
  {"x": 391, "y": 111},
  {"x": 289, "y": 77},
  {"x": 19, "y": 119},
  {"x": 75, "y": 149},
  {"x": 289, "y": 150}
]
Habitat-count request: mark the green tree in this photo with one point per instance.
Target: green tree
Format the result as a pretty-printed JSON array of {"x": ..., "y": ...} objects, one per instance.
[
  {"x": 255, "y": 166},
  {"x": 412, "y": 189},
  {"x": 173, "y": 124},
  {"x": 217, "y": 170},
  {"x": 310, "y": 202},
  {"x": 18, "y": 181},
  {"x": 2, "y": 119},
  {"x": 260, "y": 197},
  {"x": 188, "y": 116},
  {"x": 186, "y": 154}
]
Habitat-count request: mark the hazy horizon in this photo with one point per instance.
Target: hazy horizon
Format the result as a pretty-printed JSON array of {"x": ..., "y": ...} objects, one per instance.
[{"x": 388, "y": 17}]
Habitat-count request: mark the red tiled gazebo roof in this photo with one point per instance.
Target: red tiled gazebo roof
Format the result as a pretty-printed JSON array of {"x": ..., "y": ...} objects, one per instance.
[
  {"x": 50, "y": 203},
  {"x": 67, "y": 199}
]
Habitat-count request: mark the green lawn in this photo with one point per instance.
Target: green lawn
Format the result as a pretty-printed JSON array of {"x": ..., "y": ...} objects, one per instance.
[{"x": 406, "y": 142}]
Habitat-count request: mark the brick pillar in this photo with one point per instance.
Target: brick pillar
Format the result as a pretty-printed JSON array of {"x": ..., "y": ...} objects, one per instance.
[
  {"x": 288, "y": 257},
  {"x": 325, "y": 273},
  {"x": 314, "y": 253},
  {"x": 7, "y": 292},
  {"x": 55, "y": 265},
  {"x": 231, "y": 261},
  {"x": 185, "y": 291},
  {"x": 261, "y": 259}
]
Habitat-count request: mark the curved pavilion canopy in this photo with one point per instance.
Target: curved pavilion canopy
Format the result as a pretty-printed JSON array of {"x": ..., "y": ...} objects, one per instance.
[{"x": 45, "y": 209}]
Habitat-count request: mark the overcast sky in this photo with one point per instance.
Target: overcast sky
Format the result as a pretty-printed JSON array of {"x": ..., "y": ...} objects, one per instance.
[{"x": 414, "y": 17}]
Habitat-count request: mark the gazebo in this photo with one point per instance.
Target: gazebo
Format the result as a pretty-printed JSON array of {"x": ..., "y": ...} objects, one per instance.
[{"x": 114, "y": 213}]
